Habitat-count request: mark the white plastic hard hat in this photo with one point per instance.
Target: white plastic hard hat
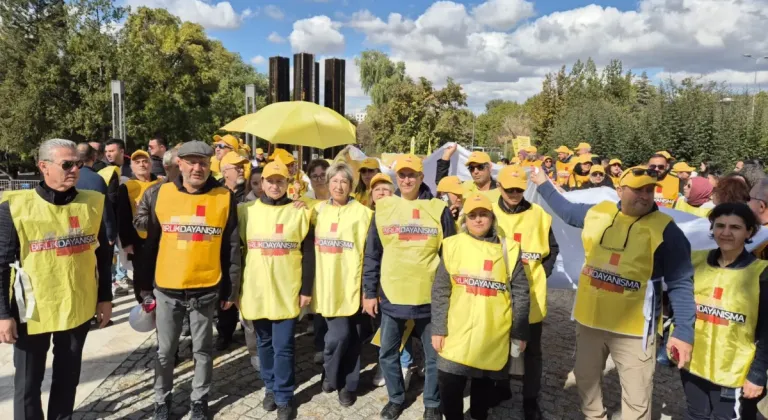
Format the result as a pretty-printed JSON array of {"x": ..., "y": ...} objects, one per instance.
[{"x": 140, "y": 320}]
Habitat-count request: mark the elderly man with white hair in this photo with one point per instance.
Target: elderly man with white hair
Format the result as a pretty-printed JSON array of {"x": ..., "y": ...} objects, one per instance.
[{"x": 55, "y": 238}]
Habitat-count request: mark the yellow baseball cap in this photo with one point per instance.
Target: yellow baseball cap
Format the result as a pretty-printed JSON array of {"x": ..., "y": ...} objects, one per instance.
[
  {"x": 276, "y": 167},
  {"x": 259, "y": 151},
  {"x": 369, "y": 163},
  {"x": 664, "y": 153},
  {"x": 283, "y": 155},
  {"x": 531, "y": 149},
  {"x": 380, "y": 177},
  {"x": 637, "y": 177},
  {"x": 614, "y": 162},
  {"x": 585, "y": 158},
  {"x": 514, "y": 161},
  {"x": 564, "y": 149},
  {"x": 478, "y": 157},
  {"x": 513, "y": 177},
  {"x": 245, "y": 147},
  {"x": 228, "y": 139},
  {"x": 477, "y": 201},
  {"x": 544, "y": 159},
  {"x": 597, "y": 168},
  {"x": 139, "y": 153},
  {"x": 450, "y": 184},
  {"x": 233, "y": 158},
  {"x": 409, "y": 161},
  {"x": 682, "y": 167},
  {"x": 583, "y": 145}
]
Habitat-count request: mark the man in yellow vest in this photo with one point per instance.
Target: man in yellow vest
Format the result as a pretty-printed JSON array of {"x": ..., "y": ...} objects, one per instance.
[
  {"x": 531, "y": 157},
  {"x": 668, "y": 186},
  {"x": 259, "y": 159},
  {"x": 297, "y": 187},
  {"x": 629, "y": 247},
  {"x": 193, "y": 261},
  {"x": 564, "y": 165},
  {"x": 222, "y": 145},
  {"x": 277, "y": 283},
  {"x": 479, "y": 167},
  {"x": 401, "y": 256},
  {"x": 583, "y": 149},
  {"x": 55, "y": 238},
  {"x": 128, "y": 197},
  {"x": 531, "y": 227}
]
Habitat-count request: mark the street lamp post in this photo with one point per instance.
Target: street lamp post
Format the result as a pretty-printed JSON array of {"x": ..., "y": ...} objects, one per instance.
[{"x": 754, "y": 95}]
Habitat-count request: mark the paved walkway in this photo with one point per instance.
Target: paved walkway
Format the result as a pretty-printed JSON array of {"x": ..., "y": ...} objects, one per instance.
[{"x": 237, "y": 390}]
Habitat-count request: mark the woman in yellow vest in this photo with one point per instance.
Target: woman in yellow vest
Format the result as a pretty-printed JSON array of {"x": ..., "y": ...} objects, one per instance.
[
  {"x": 614, "y": 171},
  {"x": 696, "y": 197},
  {"x": 369, "y": 167},
  {"x": 727, "y": 371},
  {"x": 479, "y": 288},
  {"x": 277, "y": 281},
  {"x": 317, "y": 178},
  {"x": 381, "y": 186},
  {"x": 564, "y": 165},
  {"x": 548, "y": 166},
  {"x": 341, "y": 226},
  {"x": 580, "y": 174}
]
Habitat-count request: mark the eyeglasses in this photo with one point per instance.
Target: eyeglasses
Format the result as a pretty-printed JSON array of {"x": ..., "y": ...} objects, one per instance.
[
  {"x": 67, "y": 165},
  {"x": 759, "y": 199},
  {"x": 222, "y": 146},
  {"x": 513, "y": 190},
  {"x": 657, "y": 167},
  {"x": 651, "y": 172},
  {"x": 626, "y": 239},
  {"x": 317, "y": 177},
  {"x": 480, "y": 167},
  {"x": 476, "y": 214},
  {"x": 405, "y": 175},
  {"x": 597, "y": 174}
]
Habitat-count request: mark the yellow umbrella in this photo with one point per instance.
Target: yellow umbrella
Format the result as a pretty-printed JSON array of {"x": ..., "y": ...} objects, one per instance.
[{"x": 299, "y": 123}]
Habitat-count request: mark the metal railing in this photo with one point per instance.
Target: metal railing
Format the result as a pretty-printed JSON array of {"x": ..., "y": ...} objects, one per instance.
[{"x": 16, "y": 184}]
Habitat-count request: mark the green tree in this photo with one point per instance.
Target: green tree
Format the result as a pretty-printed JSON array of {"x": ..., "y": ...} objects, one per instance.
[{"x": 379, "y": 75}]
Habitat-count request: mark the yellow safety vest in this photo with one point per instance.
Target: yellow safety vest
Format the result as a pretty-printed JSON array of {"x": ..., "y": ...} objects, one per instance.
[
  {"x": 493, "y": 194},
  {"x": 340, "y": 234},
  {"x": 614, "y": 284},
  {"x": 480, "y": 311},
  {"x": 272, "y": 273},
  {"x": 563, "y": 172},
  {"x": 136, "y": 190},
  {"x": 530, "y": 229},
  {"x": 576, "y": 181},
  {"x": 215, "y": 165},
  {"x": 410, "y": 232},
  {"x": 528, "y": 164},
  {"x": 189, "y": 254},
  {"x": 682, "y": 205},
  {"x": 57, "y": 255},
  {"x": 107, "y": 172},
  {"x": 667, "y": 191},
  {"x": 363, "y": 198},
  {"x": 727, "y": 301}
]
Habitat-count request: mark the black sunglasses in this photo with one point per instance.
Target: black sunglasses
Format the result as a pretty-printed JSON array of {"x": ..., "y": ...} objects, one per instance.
[
  {"x": 67, "y": 165},
  {"x": 222, "y": 146},
  {"x": 651, "y": 172},
  {"x": 479, "y": 167},
  {"x": 514, "y": 190}
]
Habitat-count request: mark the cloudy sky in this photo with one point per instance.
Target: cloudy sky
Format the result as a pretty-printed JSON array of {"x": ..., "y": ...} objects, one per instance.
[{"x": 497, "y": 48}]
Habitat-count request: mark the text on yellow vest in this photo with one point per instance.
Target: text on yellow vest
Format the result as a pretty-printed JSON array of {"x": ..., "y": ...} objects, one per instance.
[
  {"x": 136, "y": 190},
  {"x": 667, "y": 191},
  {"x": 340, "y": 233},
  {"x": 411, "y": 233},
  {"x": 564, "y": 171},
  {"x": 272, "y": 275},
  {"x": 614, "y": 285},
  {"x": 57, "y": 252},
  {"x": 190, "y": 242},
  {"x": 530, "y": 229},
  {"x": 727, "y": 301},
  {"x": 480, "y": 311}
]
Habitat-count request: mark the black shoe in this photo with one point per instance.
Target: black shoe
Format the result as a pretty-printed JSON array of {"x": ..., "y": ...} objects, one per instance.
[
  {"x": 432, "y": 414},
  {"x": 286, "y": 412},
  {"x": 163, "y": 411},
  {"x": 391, "y": 411},
  {"x": 346, "y": 398},
  {"x": 199, "y": 410},
  {"x": 327, "y": 388},
  {"x": 269, "y": 403},
  {"x": 531, "y": 410},
  {"x": 222, "y": 343},
  {"x": 501, "y": 392}
]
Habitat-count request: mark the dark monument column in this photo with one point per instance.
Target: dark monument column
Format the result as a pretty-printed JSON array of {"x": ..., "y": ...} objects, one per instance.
[
  {"x": 334, "y": 93},
  {"x": 279, "y": 83}
]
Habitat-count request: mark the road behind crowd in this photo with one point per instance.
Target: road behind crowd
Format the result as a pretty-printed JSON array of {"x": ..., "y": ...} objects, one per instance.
[{"x": 118, "y": 374}]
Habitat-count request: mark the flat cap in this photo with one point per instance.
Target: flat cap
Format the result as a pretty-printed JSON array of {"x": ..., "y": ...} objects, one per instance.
[{"x": 195, "y": 148}]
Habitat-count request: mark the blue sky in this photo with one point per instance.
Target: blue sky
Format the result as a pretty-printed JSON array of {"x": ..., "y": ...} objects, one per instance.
[{"x": 496, "y": 48}]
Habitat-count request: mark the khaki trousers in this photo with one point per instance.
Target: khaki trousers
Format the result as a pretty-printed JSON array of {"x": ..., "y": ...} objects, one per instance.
[{"x": 635, "y": 368}]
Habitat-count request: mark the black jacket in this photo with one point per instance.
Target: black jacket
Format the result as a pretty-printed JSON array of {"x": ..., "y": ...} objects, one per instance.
[
  {"x": 90, "y": 180},
  {"x": 9, "y": 250},
  {"x": 157, "y": 165},
  {"x": 230, "y": 254},
  {"x": 374, "y": 251}
]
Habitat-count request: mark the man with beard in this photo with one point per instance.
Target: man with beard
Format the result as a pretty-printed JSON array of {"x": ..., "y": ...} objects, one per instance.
[
  {"x": 668, "y": 186},
  {"x": 564, "y": 165}
]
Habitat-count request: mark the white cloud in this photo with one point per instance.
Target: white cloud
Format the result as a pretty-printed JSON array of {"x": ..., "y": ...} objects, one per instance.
[
  {"x": 258, "y": 60},
  {"x": 498, "y": 49},
  {"x": 318, "y": 35},
  {"x": 273, "y": 12},
  {"x": 208, "y": 14},
  {"x": 275, "y": 38}
]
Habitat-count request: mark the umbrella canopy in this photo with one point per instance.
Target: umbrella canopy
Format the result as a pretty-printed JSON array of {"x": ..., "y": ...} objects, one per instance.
[{"x": 298, "y": 123}]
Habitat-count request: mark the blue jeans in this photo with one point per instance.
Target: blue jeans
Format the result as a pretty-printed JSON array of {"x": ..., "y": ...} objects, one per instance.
[
  {"x": 276, "y": 346},
  {"x": 406, "y": 356},
  {"x": 389, "y": 359},
  {"x": 118, "y": 272}
]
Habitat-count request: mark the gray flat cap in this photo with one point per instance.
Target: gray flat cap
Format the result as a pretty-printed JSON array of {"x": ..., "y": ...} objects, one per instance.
[{"x": 195, "y": 148}]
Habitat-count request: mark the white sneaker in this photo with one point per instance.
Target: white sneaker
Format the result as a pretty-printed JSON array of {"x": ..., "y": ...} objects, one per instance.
[
  {"x": 319, "y": 359},
  {"x": 118, "y": 290},
  {"x": 378, "y": 378},
  {"x": 407, "y": 375}
]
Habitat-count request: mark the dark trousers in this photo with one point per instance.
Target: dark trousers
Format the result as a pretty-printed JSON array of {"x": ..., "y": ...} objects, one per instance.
[
  {"x": 452, "y": 396},
  {"x": 532, "y": 361},
  {"x": 227, "y": 321},
  {"x": 276, "y": 346},
  {"x": 29, "y": 356},
  {"x": 343, "y": 344},
  {"x": 709, "y": 401},
  {"x": 321, "y": 328}
]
